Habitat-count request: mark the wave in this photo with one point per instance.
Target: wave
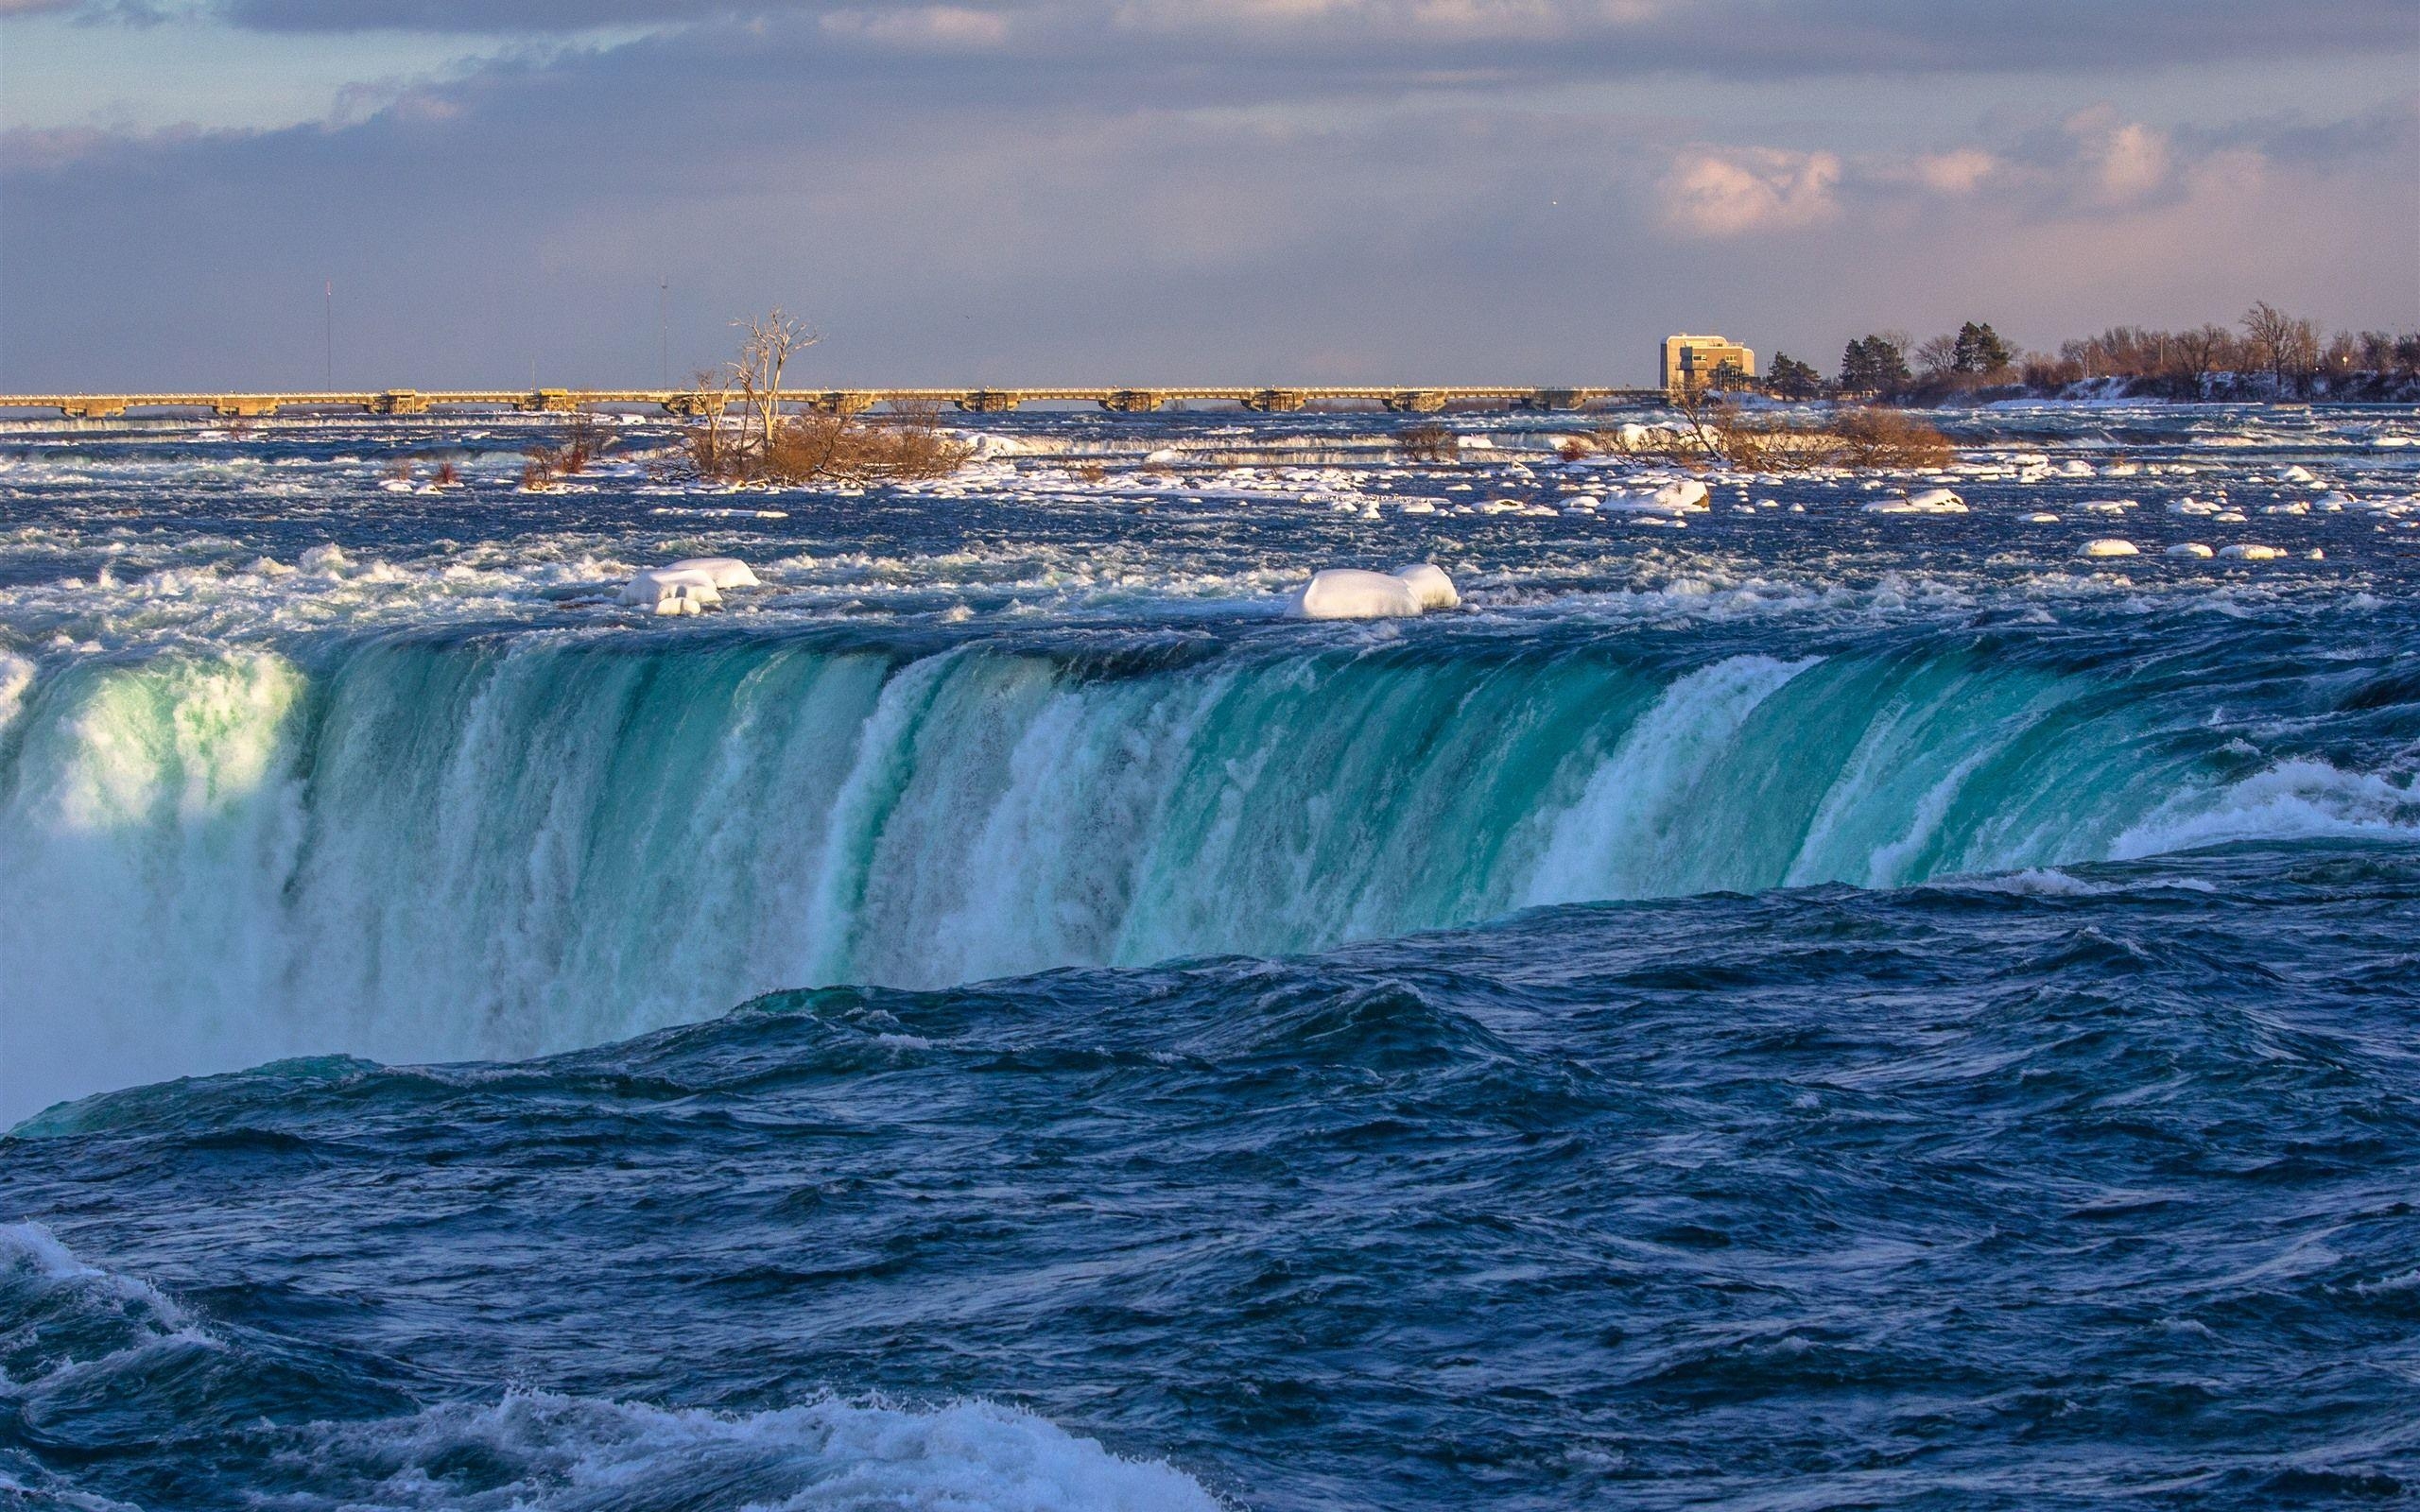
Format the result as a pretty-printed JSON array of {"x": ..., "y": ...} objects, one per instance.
[
  {"x": 90, "y": 1355},
  {"x": 500, "y": 845}
]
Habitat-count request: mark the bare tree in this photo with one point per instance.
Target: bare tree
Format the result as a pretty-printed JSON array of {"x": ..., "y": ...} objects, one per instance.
[
  {"x": 755, "y": 377},
  {"x": 2201, "y": 353},
  {"x": 1938, "y": 355},
  {"x": 2271, "y": 333}
]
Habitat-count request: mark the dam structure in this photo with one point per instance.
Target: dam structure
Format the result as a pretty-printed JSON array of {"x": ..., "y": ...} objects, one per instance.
[{"x": 693, "y": 402}]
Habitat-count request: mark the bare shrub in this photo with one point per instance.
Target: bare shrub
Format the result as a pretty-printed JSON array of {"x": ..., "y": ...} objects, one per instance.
[
  {"x": 449, "y": 474},
  {"x": 583, "y": 440},
  {"x": 1092, "y": 473},
  {"x": 834, "y": 449},
  {"x": 537, "y": 476},
  {"x": 1752, "y": 442},
  {"x": 1574, "y": 450},
  {"x": 1652, "y": 444},
  {"x": 400, "y": 470},
  {"x": 1889, "y": 438},
  {"x": 1761, "y": 443},
  {"x": 1429, "y": 442}
]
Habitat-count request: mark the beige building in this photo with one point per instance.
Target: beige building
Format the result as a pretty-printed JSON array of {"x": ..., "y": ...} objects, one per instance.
[{"x": 1695, "y": 362}]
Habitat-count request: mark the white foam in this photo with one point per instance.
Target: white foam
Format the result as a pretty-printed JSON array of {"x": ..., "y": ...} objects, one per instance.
[
  {"x": 16, "y": 679},
  {"x": 553, "y": 1452},
  {"x": 2293, "y": 800}
]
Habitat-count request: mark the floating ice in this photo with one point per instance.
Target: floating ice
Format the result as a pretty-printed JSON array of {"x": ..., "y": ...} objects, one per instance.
[
  {"x": 2189, "y": 548},
  {"x": 1687, "y": 494},
  {"x": 2108, "y": 546},
  {"x": 2245, "y": 551}
]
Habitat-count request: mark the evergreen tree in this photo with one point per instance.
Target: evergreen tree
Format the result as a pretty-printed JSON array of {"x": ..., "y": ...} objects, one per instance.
[
  {"x": 1794, "y": 379},
  {"x": 1874, "y": 364},
  {"x": 1979, "y": 349}
]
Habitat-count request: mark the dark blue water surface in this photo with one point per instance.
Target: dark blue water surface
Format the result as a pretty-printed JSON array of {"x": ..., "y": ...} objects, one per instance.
[
  {"x": 2051, "y": 1193},
  {"x": 1805, "y": 1007}
]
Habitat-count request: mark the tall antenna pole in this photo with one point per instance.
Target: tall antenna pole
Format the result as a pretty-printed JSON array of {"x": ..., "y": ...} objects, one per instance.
[
  {"x": 330, "y": 294},
  {"x": 663, "y": 330}
]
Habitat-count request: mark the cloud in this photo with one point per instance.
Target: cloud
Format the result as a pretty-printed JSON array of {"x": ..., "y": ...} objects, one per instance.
[
  {"x": 2124, "y": 161},
  {"x": 958, "y": 201},
  {"x": 1742, "y": 39},
  {"x": 1959, "y": 171},
  {"x": 1733, "y": 191},
  {"x": 945, "y": 27}
]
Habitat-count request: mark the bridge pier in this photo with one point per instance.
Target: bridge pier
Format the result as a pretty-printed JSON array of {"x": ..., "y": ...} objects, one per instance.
[
  {"x": 1555, "y": 399},
  {"x": 987, "y": 402},
  {"x": 235, "y": 407},
  {"x": 688, "y": 406},
  {"x": 397, "y": 401},
  {"x": 1415, "y": 400},
  {"x": 843, "y": 402},
  {"x": 1276, "y": 402},
  {"x": 1132, "y": 401},
  {"x": 92, "y": 409},
  {"x": 547, "y": 401}
]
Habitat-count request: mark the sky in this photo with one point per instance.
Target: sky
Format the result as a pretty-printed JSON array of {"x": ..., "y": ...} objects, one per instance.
[{"x": 578, "y": 192}]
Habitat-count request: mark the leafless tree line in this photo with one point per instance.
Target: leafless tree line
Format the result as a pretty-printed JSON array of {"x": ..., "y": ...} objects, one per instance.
[{"x": 2288, "y": 351}]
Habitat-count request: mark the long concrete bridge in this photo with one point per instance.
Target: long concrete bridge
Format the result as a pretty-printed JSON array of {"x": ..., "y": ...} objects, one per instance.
[{"x": 1414, "y": 401}]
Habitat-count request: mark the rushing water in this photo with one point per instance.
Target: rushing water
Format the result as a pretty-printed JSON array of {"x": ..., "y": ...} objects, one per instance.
[{"x": 1806, "y": 1006}]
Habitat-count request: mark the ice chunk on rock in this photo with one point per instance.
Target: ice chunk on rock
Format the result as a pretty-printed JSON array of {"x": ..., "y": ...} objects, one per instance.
[
  {"x": 2189, "y": 548},
  {"x": 1931, "y": 501},
  {"x": 1350, "y": 594},
  {"x": 1687, "y": 494},
  {"x": 2108, "y": 546},
  {"x": 723, "y": 572},
  {"x": 655, "y": 587},
  {"x": 2245, "y": 551},
  {"x": 1430, "y": 585}
]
